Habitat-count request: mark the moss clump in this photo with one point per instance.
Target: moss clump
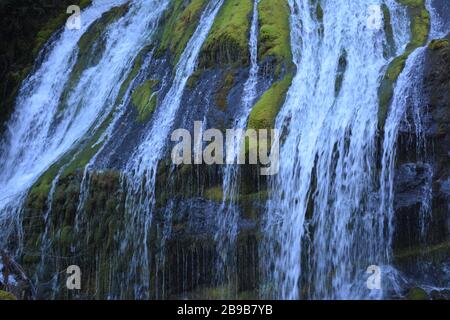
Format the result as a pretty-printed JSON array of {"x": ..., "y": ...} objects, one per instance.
[
  {"x": 420, "y": 26},
  {"x": 227, "y": 43},
  {"x": 7, "y": 296},
  {"x": 274, "y": 35},
  {"x": 438, "y": 44},
  {"x": 319, "y": 12},
  {"x": 420, "y": 22},
  {"x": 417, "y": 294},
  {"x": 214, "y": 194},
  {"x": 221, "y": 95},
  {"x": 179, "y": 24},
  {"x": 266, "y": 109},
  {"x": 137, "y": 64},
  {"x": 65, "y": 236},
  {"x": 193, "y": 79},
  {"x": 144, "y": 99}
]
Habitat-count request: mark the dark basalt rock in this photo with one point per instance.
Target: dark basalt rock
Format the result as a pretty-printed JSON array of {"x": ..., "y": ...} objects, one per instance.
[{"x": 424, "y": 256}]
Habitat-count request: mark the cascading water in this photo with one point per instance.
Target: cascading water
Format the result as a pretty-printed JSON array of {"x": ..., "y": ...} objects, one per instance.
[
  {"x": 37, "y": 133},
  {"x": 227, "y": 219},
  {"x": 324, "y": 228},
  {"x": 40, "y": 135},
  {"x": 330, "y": 215},
  {"x": 408, "y": 110},
  {"x": 440, "y": 25},
  {"x": 408, "y": 113},
  {"x": 140, "y": 172}
]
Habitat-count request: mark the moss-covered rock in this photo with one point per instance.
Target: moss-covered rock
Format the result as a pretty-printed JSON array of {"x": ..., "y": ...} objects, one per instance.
[
  {"x": 266, "y": 109},
  {"x": 144, "y": 99},
  {"x": 274, "y": 36},
  {"x": 221, "y": 95},
  {"x": 437, "y": 44},
  {"x": 417, "y": 294},
  {"x": 227, "y": 42},
  {"x": 7, "y": 296},
  {"x": 420, "y": 26}
]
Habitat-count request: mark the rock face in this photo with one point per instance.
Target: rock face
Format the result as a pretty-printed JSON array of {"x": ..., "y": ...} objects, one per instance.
[
  {"x": 182, "y": 248},
  {"x": 424, "y": 180}
]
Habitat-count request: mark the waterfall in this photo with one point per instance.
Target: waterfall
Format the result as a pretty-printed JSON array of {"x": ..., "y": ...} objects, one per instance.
[
  {"x": 439, "y": 17},
  {"x": 140, "y": 173},
  {"x": 38, "y": 134},
  {"x": 323, "y": 226},
  {"x": 228, "y": 218},
  {"x": 55, "y": 114}
]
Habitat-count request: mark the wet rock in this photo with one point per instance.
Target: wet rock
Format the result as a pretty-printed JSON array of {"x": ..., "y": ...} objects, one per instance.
[
  {"x": 425, "y": 164},
  {"x": 417, "y": 294}
]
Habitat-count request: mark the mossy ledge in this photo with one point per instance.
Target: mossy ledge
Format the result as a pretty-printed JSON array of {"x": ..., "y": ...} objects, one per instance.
[
  {"x": 274, "y": 35},
  {"x": 266, "y": 109},
  {"x": 144, "y": 99},
  {"x": 420, "y": 26},
  {"x": 227, "y": 43},
  {"x": 7, "y": 296}
]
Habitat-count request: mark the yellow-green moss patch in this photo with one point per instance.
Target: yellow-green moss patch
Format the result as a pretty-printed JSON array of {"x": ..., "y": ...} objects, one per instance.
[
  {"x": 227, "y": 43},
  {"x": 438, "y": 44},
  {"x": 144, "y": 99},
  {"x": 274, "y": 34},
  {"x": 7, "y": 296},
  {"x": 266, "y": 109}
]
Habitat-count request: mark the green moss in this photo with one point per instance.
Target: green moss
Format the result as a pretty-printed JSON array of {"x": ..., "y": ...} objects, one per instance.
[
  {"x": 214, "y": 194},
  {"x": 193, "y": 79},
  {"x": 221, "y": 96},
  {"x": 137, "y": 64},
  {"x": 179, "y": 24},
  {"x": 438, "y": 44},
  {"x": 420, "y": 26},
  {"x": 319, "y": 12},
  {"x": 7, "y": 296},
  {"x": 266, "y": 109},
  {"x": 65, "y": 236},
  {"x": 417, "y": 294},
  {"x": 420, "y": 22},
  {"x": 144, "y": 99},
  {"x": 227, "y": 43},
  {"x": 274, "y": 35}
]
